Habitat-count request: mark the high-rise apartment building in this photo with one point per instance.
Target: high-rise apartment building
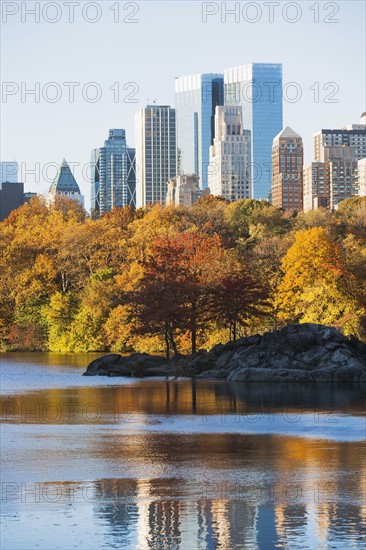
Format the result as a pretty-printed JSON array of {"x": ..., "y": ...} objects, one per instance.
[
  {"x": 196, "y": 97},
  {"x": 156, "y": 153},
  {"x": 230, "y": 162},
  {"x": 316, "y": 188},
  {"x": 328, "y": 182},
  {"x": 257, "y": 88},
  {"x": 287, "y": 171},
  {"x": 65, "y": 184},
  {"x": 342, "y": 181},
  {"x": 113, "y": 174},
  {"x": 353, "y": 135},
  {"x": 8, "y": 171}
]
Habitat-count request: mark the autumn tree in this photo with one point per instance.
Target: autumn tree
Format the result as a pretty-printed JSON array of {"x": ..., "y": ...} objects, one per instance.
[
  {"x": 316, "y": 283},
  {"x": 172, "y": 294},
  {"x": 234, "y": 297}
]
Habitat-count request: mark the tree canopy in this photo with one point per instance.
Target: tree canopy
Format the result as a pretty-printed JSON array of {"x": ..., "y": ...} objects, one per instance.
[{"x": 176, "y": 279}]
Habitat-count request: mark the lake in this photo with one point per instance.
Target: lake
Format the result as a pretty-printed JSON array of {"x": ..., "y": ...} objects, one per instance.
[{"x": 95, "y": 462}]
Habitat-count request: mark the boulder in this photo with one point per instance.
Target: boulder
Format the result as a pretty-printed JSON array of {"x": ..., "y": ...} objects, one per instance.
[
  {"x": 136, "y": 364},
  {"x": 100, "y": 366},
  {"x": 269, "y": 375}
]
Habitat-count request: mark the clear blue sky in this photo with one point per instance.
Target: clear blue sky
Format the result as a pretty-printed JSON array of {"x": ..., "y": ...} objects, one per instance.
[{"x": 169, "y": 39}]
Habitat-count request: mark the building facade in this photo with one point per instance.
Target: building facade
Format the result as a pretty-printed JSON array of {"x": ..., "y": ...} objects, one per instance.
[
  {"x": 353, "y": 135},
  {"x": 184, "y": 190},
  {"x": 9, "y": 171},
  {"x": 342, "y": 181},
  {"x": 316, "y": 186},
  {"x": 230, "y": 161},
  {"x": 327, "y": 183},
  {"x": 257, "y": 88},
  {"x": 11, "y": 197},
  {"x": 29, "y": 195},
  {"x": 156, "y": 153},
  {"x": 287, "y": 171},
  {"x": 361, "y": 178},
  {"x": 131, "y": 177},
  {"x": 65, "y": 184},
  {"x": 113, "y": 174},
  {"x": 196, "y": 97}
]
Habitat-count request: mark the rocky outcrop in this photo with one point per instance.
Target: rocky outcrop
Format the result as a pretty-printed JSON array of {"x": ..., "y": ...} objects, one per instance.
[
  {"x": 137, "y": 364},
  {"x": 297, "y": 353}
]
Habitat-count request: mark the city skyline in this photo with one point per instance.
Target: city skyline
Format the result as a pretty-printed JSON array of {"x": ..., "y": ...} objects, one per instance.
[{"x": 138, "y": 79}]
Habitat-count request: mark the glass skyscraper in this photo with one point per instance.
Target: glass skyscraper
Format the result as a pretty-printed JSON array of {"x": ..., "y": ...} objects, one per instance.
[
  {"x": 156, "y": 153},
  {"x": 112, "y": 174},
  {"x": 8, "y": 171},
  {"x": 257, "y": 88},
  {"x": 131, "y": 177},
  {"x": 196, "y": 97}
]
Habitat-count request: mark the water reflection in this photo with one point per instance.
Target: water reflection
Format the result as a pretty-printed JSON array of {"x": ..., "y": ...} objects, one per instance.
[
  {"x": 132, "y": 517},
  {"x": 121, "y": 403},
  {"x": 166, "y": 464}
]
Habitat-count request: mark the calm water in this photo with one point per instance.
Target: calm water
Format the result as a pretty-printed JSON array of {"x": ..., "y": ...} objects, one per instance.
[{"x": 95, "y": 463}]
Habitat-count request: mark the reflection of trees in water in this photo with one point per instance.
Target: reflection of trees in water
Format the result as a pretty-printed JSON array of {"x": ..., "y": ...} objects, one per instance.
[{"x": 127, "y": 403}]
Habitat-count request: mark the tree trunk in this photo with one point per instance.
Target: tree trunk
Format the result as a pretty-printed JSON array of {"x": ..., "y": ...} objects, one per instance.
[
  {"x": 167, "y": 348},
  {"x": 194, "y": 341},
  {"x": 172, "y": 341}
]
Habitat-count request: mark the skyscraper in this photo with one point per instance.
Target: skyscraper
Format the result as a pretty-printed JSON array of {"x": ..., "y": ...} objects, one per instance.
[
  {"x": 287, "y": 171},
  {"x": 196, "y": 97},
  {"x": 131, "y": 177},
  {"x": 328, "y": 182},
  {"x": 316, "y": 186},
  {"x": 353, "y": 135},
  {"x": 156, "y": 153},
  {"x": 229, "y": 171},
  {"x": 11, "y": 197},
  {"x": 65, "y": 184},
  {"x": 257, "y": 88},
  {"x": 8, "y": 171},
  {"x": 113, "y": 174}
]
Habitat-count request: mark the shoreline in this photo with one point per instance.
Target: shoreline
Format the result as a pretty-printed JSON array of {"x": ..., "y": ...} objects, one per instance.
[{"x": 306, "y": 353}]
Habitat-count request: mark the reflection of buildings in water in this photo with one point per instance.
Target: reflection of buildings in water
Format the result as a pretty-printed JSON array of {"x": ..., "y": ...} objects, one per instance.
[
  {"x": 143, "y": 496},
  {"x": 165, "y": 523},
  {"x": 158, "y": 521},
  {"x": 226, "y": 524},
  {"x": 114, "y": 502},
  {"x": 265, "y": 527},
  {"x": 221, "y": 524},
  {"x": 143, "y": 513},
  {"x": 322, "y": 514},
  {"x": 291, "y": 524}
]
